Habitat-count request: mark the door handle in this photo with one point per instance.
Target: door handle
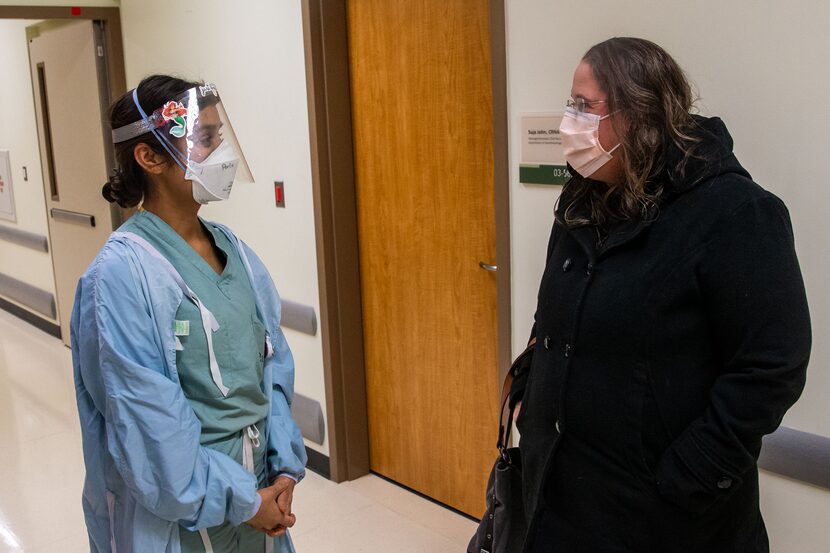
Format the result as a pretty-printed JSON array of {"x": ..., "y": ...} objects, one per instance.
[
  {"x": 486, "y": 267},
  {"x": 73, "y": 217}
]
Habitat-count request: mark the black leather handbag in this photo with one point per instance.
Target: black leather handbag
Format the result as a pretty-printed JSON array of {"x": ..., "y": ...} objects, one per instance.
[{"x": 503, "y": 527}]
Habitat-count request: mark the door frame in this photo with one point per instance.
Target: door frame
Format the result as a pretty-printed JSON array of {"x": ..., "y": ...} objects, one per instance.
[
  {"x": 335, "y": 218},
  {"x": 114, "y": 60}
]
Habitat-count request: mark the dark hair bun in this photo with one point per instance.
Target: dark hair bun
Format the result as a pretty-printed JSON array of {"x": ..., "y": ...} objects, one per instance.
[{"x": 117, "y": 190}]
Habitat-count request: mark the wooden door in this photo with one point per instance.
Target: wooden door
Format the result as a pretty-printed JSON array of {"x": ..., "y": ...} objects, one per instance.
[
  {"x": 65, "y": 76},
  {"x": 422, "y": 120}
]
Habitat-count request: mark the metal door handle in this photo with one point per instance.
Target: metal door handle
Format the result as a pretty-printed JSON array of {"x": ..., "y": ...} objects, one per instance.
[
  {"x": 73, "y": 217},
  {"x": 486, "y": 267}
]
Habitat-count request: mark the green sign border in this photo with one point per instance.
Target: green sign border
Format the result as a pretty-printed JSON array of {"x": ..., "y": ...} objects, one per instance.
[{"x": 555, "y": 175}]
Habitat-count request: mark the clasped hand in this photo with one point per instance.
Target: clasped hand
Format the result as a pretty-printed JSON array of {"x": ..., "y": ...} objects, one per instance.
[{"x": 274, "y": 516}]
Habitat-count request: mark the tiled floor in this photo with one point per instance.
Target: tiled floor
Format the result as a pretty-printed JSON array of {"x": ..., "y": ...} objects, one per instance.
[{"x": 41, "y": 472}]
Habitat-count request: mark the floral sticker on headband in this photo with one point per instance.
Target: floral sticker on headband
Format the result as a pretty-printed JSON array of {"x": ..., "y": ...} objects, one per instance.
[{"x": 176, "y": 112}]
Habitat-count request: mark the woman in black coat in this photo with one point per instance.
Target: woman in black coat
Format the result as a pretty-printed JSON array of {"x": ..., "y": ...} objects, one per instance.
[{"x": 672, "y": 330}]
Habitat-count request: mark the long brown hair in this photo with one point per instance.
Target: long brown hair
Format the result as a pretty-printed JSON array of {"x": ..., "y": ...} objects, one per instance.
[{"x": 654, "y": 97}]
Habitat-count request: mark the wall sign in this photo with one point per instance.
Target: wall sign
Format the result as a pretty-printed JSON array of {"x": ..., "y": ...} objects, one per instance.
[
  {"x": 542, "y": 158},
  {"x": 7, "y": 210}
]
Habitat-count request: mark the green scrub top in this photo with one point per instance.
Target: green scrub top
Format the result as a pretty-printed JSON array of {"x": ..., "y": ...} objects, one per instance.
[{"x": 239, "y": 346}]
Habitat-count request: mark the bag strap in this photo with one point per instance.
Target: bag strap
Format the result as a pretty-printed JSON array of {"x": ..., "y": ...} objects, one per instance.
[{"x": 506, "y": 427}]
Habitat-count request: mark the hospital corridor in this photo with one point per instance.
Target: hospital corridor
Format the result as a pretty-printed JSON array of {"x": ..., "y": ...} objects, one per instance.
[{"x": 414, "y": 276}]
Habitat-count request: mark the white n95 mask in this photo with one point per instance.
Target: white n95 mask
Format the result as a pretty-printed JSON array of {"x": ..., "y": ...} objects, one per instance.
[
  {"x": 213, "y": 178},
  {"x": 580, "y": 140}
]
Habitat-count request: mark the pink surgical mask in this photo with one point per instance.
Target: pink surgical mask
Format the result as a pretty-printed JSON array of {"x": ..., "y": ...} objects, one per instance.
[{"x": 580, "y": 140}]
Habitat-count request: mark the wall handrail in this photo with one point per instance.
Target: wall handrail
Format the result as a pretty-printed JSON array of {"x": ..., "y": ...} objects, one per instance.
[
  {"x": 798, "y": 455},
  {"x": 299, "y": 317},
  {"x": 24, "y": 238},
  {"x": 34, "y": 298}
]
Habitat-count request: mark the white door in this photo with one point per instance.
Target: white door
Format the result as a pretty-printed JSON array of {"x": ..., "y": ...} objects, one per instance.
[{"x": 66, "y": 67}]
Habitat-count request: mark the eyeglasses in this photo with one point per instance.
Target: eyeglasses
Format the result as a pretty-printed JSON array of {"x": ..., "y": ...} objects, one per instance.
[{"x": 581, "y": 104}]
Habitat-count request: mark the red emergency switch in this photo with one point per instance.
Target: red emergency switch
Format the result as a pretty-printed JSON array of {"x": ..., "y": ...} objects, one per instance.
[
  {"x": 76, "y": 11},
  {"x": 279, "y": 193}
]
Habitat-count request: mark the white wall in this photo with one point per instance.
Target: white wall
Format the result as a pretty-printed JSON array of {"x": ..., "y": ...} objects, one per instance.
[
  {"x": 18, "y": 134},
  {"x": 253, "y": 51},
  {"x": 759, "y": 66}
]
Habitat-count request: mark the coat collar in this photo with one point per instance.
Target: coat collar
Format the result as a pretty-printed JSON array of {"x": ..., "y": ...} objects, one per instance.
[
  {"x": 586, "y": 237},
  {"x": 712, "y": 157}
]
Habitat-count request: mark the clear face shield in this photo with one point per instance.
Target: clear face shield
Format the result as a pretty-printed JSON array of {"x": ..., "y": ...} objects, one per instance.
[{"x": 196, "y": 131}]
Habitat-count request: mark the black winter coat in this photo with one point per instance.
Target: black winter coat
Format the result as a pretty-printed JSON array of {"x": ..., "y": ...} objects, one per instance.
[{"x": 662, "y": 358}]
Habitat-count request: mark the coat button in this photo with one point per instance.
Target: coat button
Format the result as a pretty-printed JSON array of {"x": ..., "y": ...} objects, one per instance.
[
  {"x": 547, "y": 342},
  {"x": 590, "y": 270},
  {"x": 725, "y": 483},
  {"x": 567, "y": 264},
  {"x": 568, "y": 350}
]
